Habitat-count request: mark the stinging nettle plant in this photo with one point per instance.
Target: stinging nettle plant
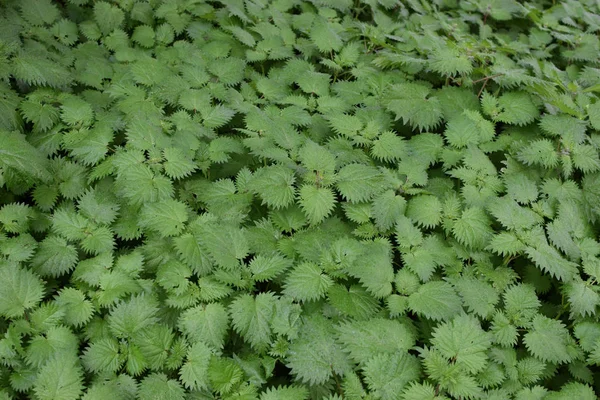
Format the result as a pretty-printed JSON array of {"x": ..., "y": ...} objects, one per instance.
[{"x": 299, "y": 199}]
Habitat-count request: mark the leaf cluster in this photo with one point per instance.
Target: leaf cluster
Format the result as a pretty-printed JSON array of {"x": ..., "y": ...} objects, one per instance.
[{"x": 299, "y": 199}]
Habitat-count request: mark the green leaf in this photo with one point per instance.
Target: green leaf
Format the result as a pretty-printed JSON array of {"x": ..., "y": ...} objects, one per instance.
[
  {"x": 229, "y": 71},
  {"x": 21, "y": 289},
  {"x": 521, "y": 188},
  {"x": 103, "y": 355},
  {"x": 130, "y": 317},
  {"x": 155, "y": 344},
  {"x": 585, "y": 158},
  {"x": 317, "y": 158},
  {"x": 60, "y": 378},
  {"x": 275, "y": 186},
  {"x": 517, "y": 108},
  {"x": 480, "y": 297},
  {"x": 208, "y": 323},
  {"x": 37, "y": 70},
  {"x": 265, "y": 268},
  {"x": 521, "y": 304},
  {"x": 158, "y": 386},
  {"x": 217, "y": 116},
  {"x": 15, "y": 217},
  {"x": 364, "y": 340},
  {"x": 326, "y": 35},
  {"x": 316, "y": 202},
  {"x": 98, "y": 207},
  {"x": 407, "y": 234},
  {"x": 76, "y": 112},
  {"x": 472, "y": 228},
  {"x": 447, "y": 60},
  {"x": 345, "y": 125},
  {"x": 43, "y": 116},
  {"x": 387, "y": 208},
  {"x": 39, "y": 12},
  {"x": 373, "y": 267},
  {"x": 388, "y": 374},
  {"x": 548, "y": 259},
  {"x": 413, "y": 104},
  {"x": 435, "y": 300},
  {"x": 285, "y": 392},
  {"x": 177, "y": 164},
  {"x": 583, "y": 299},
  {"x": 307, "y": 282},
  {"x": 143, "y": 35},
  {"x": 421, "y": 261},
  {"x": 587, "y": 334},
  {"x": 469, "y": 128},
  {"x": 425, "y": 210},
  {"x": 19, "y": 248},
  {"x": 17, "y": 153},
  {"x": 55, "y": 257},
  {"x": 353, "y": 301},
  {"x": 224, "y": 374},
  {"x": 573, "y": 390},
  {"x": 166, "y": 217},
  {"x": 419, "y": 391},
  {"x": 194, "y": 372},
  {"x": 389, "y": 147},
  {"x": 314, "y": 82},
  {"x": 506, "y": 244},
  {"x": 549, "y": 340},
  {"x": 541, "y": 152},
  {"x": 358, "y": 183},
  {"x": 226, "y": 243},
  {"x": 463, "y": 341},
  {"x": 512, "y": 216},
  {"x": 594, "y": 115},
  {"x": 78, "y": 310},
  {"x": 58, "y": 340},
  {"x": 251, "y": 317},
  {"x": 315, "y": 356},
  {"x": 504, "y": 333},
  {"x": 107, "y": 16}
]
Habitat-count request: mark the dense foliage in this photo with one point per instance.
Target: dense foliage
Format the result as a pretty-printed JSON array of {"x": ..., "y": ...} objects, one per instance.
[{"x": 299, "y": 199}]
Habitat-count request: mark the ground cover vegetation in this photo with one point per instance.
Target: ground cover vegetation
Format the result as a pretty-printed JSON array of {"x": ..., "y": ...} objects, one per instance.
[{"x": 299, "y": 199}]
